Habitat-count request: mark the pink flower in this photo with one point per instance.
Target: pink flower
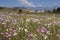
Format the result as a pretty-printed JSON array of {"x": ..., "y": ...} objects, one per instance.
[
  {"x": 43, "y": 29},
  {"x": 1, "y": 33},
  {"x": 1, "y": 18},
  {"x": 30, "y": 35},
  {"x": 9, "y": 39},
  {"x": 38, "y": 30},
  {"x": 6, "y": 33},
  {"x": 13, "y": 30},
  {"x": 9, "y": 35},
  {"x": 14, "y": 20}
]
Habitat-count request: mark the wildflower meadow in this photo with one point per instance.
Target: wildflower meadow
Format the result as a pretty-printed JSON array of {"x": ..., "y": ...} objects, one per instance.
[{"x": 24, "y": 26}]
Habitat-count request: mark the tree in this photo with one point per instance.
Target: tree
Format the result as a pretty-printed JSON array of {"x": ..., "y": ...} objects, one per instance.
[
  {"x": 58, "y": 10},
  {"x": 19, "y": 11},
  {"x": 1, "y": 8},
  {"x": 54, "y": 10}
]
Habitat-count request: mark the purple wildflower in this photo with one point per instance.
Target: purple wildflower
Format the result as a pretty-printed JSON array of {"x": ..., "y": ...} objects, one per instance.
[{"x": 43, "y": 29}]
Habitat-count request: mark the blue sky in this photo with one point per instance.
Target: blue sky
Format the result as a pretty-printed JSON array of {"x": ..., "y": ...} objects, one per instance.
[{"x": 30, "y": 3}]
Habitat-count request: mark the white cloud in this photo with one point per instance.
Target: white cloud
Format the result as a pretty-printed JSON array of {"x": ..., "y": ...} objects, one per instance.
[
  {"x": 27, "y": 3},
  {"x": 39, "y": 5}
]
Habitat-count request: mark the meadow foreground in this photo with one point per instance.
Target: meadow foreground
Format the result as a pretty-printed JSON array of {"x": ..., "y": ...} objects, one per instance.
[{"x": 29, "y": 26}]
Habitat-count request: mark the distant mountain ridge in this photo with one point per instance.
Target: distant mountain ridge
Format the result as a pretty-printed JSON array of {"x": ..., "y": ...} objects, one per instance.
[
  {"x": 32, "y": 8},
  {"x": 41, "y": 8}
]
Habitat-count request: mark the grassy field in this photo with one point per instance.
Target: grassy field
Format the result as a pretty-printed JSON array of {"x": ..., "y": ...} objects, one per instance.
[{"x": 26, "y": 26}]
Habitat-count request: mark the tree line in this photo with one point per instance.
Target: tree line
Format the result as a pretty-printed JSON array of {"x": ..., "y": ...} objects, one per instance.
[{"x": 56, "y": 10}]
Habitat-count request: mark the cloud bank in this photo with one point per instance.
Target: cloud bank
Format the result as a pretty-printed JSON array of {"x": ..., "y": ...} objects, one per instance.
[{"x": 26, "y": 3}]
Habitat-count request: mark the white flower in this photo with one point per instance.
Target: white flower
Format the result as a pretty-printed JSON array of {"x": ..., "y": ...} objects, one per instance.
[
  {"x": 45, "y": 37},
  {"x": 48, "y": 33},
  {"x": 19, "y": 28},
  {"x": 27, "y": 20},
  {"x": 15, "y": 34},
  {"x": 4, "y": 23},
  {"x": 35, "y": 34},
  {"x": 26, "y": 30},
  {"x": 35, "y": 20},
  {"x": 49, "y": 18},
  {"x": 7, "y": 30}
]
